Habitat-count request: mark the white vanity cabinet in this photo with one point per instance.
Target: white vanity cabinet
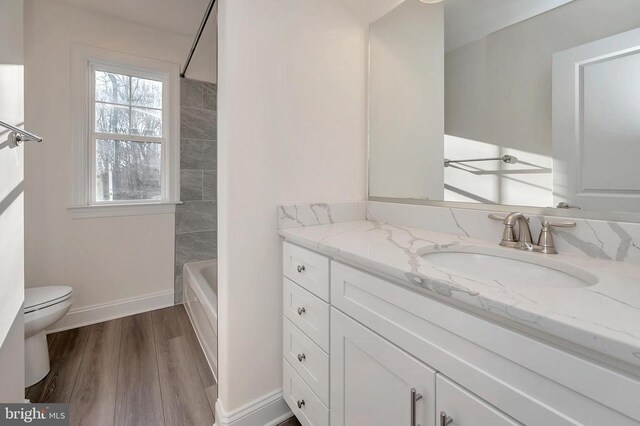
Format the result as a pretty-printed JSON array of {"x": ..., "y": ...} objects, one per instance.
[
  {"x": 362, "y": 351},
  {"x": 375, "y": 383}
]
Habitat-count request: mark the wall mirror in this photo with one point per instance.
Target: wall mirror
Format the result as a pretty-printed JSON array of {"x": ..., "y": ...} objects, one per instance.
[{"x": 507, "y": 102}]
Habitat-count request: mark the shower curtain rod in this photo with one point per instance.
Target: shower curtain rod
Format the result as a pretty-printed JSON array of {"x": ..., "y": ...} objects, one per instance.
[{"x": 198, "y": 35}]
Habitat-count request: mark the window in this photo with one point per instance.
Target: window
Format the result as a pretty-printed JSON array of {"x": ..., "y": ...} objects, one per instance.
[{"x": 125, "y": 135}]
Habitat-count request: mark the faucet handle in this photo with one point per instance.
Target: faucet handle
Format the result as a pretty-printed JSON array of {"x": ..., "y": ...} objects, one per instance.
[
  {"x": 561, "y": 224},
  {"x": 501, "y": 217},
  {"x": 545, "y": 241},
  {"x": 509, "y": 233},
  {"x": 497, "y": 217}
]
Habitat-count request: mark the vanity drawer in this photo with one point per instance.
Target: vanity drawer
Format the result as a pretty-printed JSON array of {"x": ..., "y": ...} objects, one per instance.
[
  {"x": 308, "y": 359},
  {"x": 306, "y": 406},
  {"x": 307, "y": 312},
  {"x": 309, "y": 269}
]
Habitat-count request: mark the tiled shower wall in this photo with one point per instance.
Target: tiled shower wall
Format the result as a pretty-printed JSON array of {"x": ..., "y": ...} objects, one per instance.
[{"x": 196, "y": 219}]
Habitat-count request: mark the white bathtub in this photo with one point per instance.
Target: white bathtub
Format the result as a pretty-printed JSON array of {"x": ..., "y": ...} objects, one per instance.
[{"x": 201, "y": 301}]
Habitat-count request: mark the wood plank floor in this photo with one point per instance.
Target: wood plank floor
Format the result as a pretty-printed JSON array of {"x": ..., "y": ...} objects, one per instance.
[{"x": 146, "y": 369}]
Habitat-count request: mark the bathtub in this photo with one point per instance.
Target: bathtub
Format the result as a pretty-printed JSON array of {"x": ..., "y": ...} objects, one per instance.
[{"x": 200, "y": 281}]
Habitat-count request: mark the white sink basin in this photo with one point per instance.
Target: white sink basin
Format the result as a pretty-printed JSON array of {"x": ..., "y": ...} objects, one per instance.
[{"x": 510, "y": 268}]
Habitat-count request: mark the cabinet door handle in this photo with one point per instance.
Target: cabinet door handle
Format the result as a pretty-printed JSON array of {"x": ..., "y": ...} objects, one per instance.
[
  {"x": 415, "y": 397},
  {"x": 301, "y": 310},
  {"x": 300, "y": 403},
  {"x": 301, "y": 357},
  {"x": 444, "y": 419},
  {"x": 301, "y": 269}
]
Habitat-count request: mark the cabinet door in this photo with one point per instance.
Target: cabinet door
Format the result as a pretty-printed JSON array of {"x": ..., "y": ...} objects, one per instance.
[
  {"x": 464, "y": 408},
  {"x": 372, "y": 379}
]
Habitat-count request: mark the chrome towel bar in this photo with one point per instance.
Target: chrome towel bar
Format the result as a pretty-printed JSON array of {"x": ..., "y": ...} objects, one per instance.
[
  {"x": 509, "y": 159},
  {"x": 17, "y": 135}
]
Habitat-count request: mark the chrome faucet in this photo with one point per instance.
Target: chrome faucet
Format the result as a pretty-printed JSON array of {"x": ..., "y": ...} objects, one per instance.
[{"x": 522, "y": 240}]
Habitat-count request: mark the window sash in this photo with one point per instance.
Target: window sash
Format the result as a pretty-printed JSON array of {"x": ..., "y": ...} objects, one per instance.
[
  {"x": 125, "y": 137},
  {"x": 127, "y": 105},
  {"x": 94, "y": 136},
  {"x": 94, "y": 176}
]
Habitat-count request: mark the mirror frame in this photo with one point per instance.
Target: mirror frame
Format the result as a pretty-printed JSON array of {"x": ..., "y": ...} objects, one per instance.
[{"x": 609, "y": 216}]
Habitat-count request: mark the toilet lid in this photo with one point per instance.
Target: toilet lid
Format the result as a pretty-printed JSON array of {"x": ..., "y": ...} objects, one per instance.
[{"x": 41, "y": 297}]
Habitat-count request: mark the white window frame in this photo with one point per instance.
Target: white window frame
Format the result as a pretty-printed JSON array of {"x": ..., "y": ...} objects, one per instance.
[{"x": 85, "y": 61}]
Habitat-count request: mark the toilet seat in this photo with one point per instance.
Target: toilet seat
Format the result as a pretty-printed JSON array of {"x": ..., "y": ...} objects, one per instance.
[{"x": 37, "y": 298}]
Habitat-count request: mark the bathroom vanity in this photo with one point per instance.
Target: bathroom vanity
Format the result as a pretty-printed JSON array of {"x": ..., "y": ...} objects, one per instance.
[
  {"x": 415, "y": 307},
  {"x": 380, "y": 329}
]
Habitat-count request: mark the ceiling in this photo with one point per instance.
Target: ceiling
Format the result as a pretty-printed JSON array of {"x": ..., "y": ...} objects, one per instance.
[
  {"x": 470, "y": 20},
  {"x": 178, "y": 16}
]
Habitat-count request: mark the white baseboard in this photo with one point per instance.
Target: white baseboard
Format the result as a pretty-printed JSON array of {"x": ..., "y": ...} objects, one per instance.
[
  {"x": 117, "y": 309},
  {"x": 269, "y": 410}
]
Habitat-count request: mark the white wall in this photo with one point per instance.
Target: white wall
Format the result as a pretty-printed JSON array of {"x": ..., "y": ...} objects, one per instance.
[
  {"x": 11, "y": 206},
  {"x": 376, "y": 9},
  {"x": 105, "y": 259},
  {"x": 176, "y": 16},
  {"x": 291, "y": 127},
  {"x": 406, "y": 102},
  {"x": 204, "y": 65},
  {"x": 12, "y": 362},
  {"x": 470, "y": 20}
]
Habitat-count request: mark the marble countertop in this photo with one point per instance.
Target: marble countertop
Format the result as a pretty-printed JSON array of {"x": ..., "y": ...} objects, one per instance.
[{"x": 604, "y": 317}]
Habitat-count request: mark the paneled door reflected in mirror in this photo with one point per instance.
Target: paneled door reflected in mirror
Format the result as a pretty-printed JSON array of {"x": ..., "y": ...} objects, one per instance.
[{"x": 507, "y": 102}]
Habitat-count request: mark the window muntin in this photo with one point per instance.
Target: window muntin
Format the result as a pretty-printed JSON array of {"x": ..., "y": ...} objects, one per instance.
[{"x": 128, "y": 136}]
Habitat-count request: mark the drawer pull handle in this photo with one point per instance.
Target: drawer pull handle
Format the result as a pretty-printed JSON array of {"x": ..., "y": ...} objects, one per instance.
[
  {"x": 301, "y": 311},
  {"x": 300, "y": 403},
  {"x": 301, "y": 269},
  {"x": 415, "y": 396},
  {"x": 301, "y": 357},
  {"x": 444, "y": 419}
]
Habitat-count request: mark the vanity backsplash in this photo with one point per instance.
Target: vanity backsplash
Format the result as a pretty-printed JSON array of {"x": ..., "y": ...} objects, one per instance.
[
  {"x": 298, "y": 215},
  {"x": 600, "y": 239}
]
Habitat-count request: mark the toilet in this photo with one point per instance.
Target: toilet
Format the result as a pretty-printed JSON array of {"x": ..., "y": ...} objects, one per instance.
[{"x": 43, "y": 307}]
